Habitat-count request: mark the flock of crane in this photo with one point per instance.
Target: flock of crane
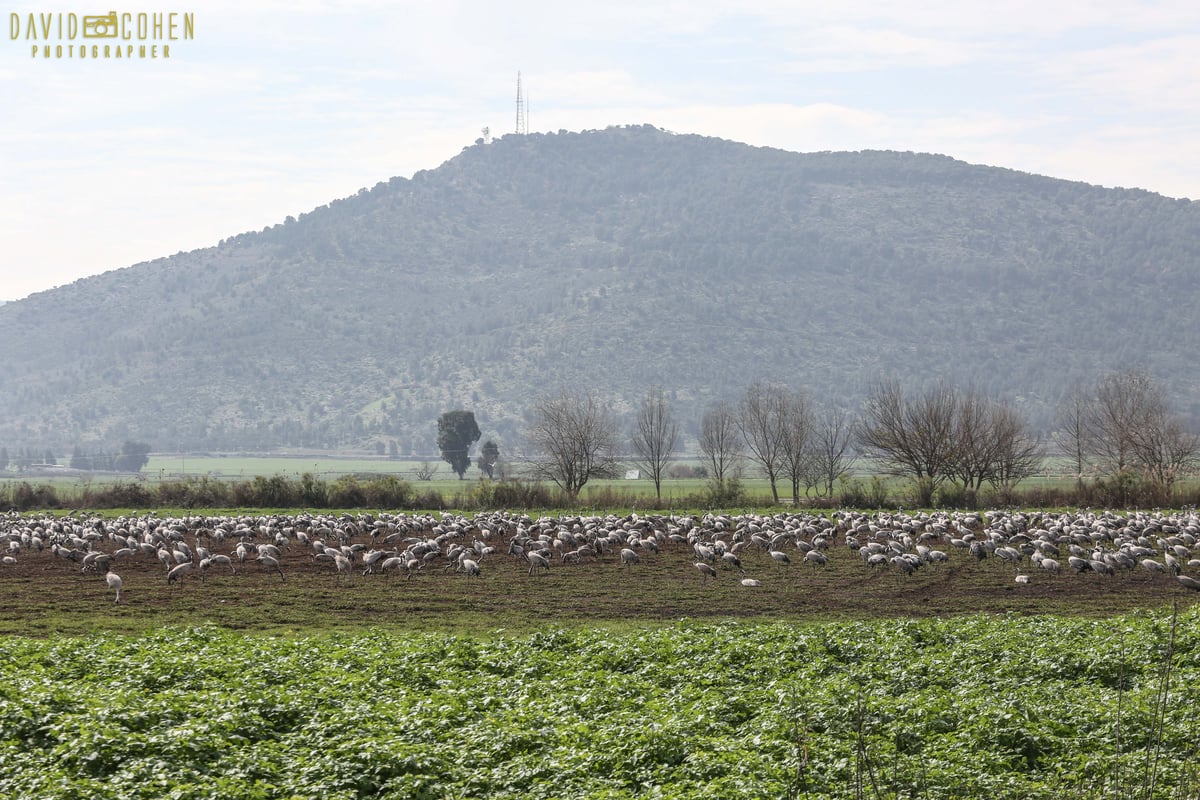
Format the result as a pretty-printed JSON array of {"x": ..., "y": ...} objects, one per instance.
[{"x": 191, "y": 547}]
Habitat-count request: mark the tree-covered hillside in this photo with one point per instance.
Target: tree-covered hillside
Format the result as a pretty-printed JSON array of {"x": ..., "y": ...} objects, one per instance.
[{"x": 612, "y": 260}]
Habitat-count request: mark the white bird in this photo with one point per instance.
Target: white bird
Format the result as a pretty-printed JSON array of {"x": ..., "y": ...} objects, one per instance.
[
  {"x": 114, "y": 582},
  {"x": 536, "y": 560},
  {"x": 223, "y": 559},
  {"x": 750, "y": 582},
  {"x": 1153, "y": 566},
  {"x": 178, "y": 573},
  {"x": 1188, "y": 583},
  {"x": 344, "y": 566},
  {"x": 270, "y": 562}
]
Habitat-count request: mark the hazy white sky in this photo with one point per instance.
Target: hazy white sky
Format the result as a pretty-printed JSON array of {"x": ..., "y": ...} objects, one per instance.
[{"x": 277, "y": 107}]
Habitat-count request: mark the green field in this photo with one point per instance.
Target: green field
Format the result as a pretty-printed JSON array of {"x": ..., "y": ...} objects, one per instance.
[
  {"x": 589, "y": 679},
  {"x": 597, "y": 493},
  {"x": 998, "y": 707}
]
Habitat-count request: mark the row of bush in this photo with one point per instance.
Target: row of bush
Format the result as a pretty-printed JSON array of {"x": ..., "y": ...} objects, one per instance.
[{"x": 388, "y": 491}]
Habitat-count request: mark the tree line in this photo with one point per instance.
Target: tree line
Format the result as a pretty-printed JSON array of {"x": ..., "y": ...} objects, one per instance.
[
  {"x": 943, "y": 438},
  {"x": 131, "y": 458}
]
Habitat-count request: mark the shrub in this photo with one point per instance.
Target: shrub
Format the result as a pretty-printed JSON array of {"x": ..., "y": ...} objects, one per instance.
[
  {"x": 119, "y": 495},
  {"x": 25, "y": 496},
  {"x": 724, "y": 493},
  {"x": 194, "y": 493},
  {"x": 314, "y": 492},
  {"x": 951, "y": 495},
  {"x": 521, "y": 494},
  {"x": 685, "y": 471},
  {"x": 388, "y": 491},
  {"x": 346, "y": 492}
]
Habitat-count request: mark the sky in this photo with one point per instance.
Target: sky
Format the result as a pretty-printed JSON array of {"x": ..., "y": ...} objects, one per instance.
[{"x": 274, "y": 108}]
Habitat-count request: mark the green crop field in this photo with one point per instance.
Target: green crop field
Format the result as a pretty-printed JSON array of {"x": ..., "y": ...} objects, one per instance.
[
  {"x": 597, "y": 676},
  {"x": 1000, "y": 707}
]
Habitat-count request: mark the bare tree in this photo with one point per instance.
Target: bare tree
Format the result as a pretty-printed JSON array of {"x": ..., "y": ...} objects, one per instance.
[
  {"x": 655, "y": 435},
  {"x": 912, "y": 438},
  {"x": 760, "y": 415},
  {"x": 1073, "y": 430},
  {"x": 576, "y": 435},
  {"x": 796, "y": 424},
  {"x": 1125, "y": 425},
  {"x": 971, "y": 458},
  {"x": 1164, "y": 449},
  {"x": 991, "y": 443},
  {"x": 721, "y": 443},
  {"x": 831, "y": 443},
  {"x": 1015, "y": 450},
  {"x": 1123, "y": 404}
]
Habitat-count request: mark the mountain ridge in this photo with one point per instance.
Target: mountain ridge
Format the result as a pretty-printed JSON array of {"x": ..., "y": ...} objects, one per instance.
[{"x": 609, "y": 260}]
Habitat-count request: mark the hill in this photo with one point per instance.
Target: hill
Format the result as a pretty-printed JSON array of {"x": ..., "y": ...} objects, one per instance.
[{"x": 612, "y": 260}]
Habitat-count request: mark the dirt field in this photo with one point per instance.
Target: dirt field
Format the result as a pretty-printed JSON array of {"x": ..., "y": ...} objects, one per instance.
[{"x": 49, "y": 591}]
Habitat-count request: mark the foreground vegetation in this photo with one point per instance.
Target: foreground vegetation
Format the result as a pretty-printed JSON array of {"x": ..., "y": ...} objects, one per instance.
[
  {"x": 989, "y": 706},
  {"x": 598, "y": 676}
]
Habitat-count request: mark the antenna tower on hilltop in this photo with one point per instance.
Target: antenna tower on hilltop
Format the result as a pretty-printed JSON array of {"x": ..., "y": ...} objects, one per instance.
[{"x": 522, "y": 121}]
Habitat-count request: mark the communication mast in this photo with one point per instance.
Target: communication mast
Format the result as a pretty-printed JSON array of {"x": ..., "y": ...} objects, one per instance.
[{"x": 522, "y": 122}]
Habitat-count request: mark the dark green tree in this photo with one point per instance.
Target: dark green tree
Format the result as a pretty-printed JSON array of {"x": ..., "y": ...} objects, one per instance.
[
  {"x": 457, "y": 431},
  {"x": 489, "y": 454},
  {"x": 133, "y": 457}
]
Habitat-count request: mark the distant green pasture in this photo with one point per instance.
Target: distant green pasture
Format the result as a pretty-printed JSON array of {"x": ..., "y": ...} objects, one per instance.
[{"x": 601, "y": 493}]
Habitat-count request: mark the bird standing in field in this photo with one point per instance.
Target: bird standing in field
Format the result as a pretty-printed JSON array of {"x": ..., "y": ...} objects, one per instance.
[
  {"x": 537, "y": 560},
  {"x": 114, "y": 582},
  {"x": 178, "y": 573},
  {"x": 270, "y": 562}
]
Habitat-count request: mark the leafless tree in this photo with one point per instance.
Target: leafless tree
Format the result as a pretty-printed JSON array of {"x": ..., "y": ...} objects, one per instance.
[
  {"x": 1123, "y": 424},
  {"x": 1016, "y": 452},
  {"x": 971, "y": 458},
  {"x": 760, "y": 416},
  {"x": 1164, "y": 449},
  {"x": 655, "y": 435},
  {"x": 796, "y": 423},
  {"x": 721, "y": 443},
  {"x": 576, "y": 435},
  {"x": 831, "y": 445},
  {"x": 1073, "y": 430},
  {"x": 912, "y": 438},
  {"x": 992, "y": 444},
  {"x": 1123, "y": 404}
]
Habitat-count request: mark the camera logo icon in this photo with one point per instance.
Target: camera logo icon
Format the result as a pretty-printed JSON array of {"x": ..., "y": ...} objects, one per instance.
[{"x": 100, "y": 27}]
